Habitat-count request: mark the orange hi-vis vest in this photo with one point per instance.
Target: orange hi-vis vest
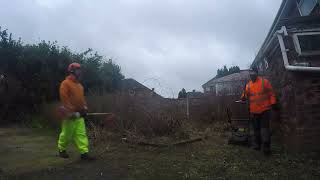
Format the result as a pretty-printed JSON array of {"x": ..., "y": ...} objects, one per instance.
[
  {"x": 72, "y": 95},
  {"x": 260, "y": 95}
]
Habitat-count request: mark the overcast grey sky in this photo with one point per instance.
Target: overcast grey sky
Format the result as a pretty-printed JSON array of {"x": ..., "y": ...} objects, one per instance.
[{"x": 165, "y": 44}]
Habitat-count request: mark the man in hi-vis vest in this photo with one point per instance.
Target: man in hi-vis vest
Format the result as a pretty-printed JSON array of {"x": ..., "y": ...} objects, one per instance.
[
  {"x": 261, "y": 99},
  {"x": 74, "y": 103}
]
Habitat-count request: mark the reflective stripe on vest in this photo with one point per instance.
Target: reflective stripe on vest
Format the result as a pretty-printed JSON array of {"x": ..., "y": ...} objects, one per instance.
[
  {"x": 259, "y": 93},
  {"x": 260, "y": 99}
]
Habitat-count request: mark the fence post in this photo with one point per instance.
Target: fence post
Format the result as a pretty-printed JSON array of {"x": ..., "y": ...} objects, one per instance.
[{"x": 188, "y": 114}]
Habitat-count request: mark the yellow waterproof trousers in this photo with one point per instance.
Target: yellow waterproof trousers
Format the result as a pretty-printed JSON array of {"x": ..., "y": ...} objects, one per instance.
[{"x": 74, "y": 130}]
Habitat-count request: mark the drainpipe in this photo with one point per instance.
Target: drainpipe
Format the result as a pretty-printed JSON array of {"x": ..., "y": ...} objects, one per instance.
[{"x": 289, "y": 67}]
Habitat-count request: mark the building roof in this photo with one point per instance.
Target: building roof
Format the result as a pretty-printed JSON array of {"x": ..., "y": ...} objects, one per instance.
[
  {"x": 194, "y": 94},
  {"x": 282, "y": 10},
  {"x": 132, "y": 84},
  {"x": 241, "y": 76},
  {"x": 209, "y": 82},
  {"x": 282, "y": 18}
]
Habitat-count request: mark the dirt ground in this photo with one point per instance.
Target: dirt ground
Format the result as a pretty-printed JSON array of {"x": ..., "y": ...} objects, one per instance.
[{"x": 31, "y": 154}]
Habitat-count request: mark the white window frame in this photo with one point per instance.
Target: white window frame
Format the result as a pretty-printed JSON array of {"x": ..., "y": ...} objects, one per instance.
[
  {"x": 207, "y": 89},
  {"x": 300, "y": 4},
  {"x": 266, "y": 64},
  {"x": 297, "y": 44}
]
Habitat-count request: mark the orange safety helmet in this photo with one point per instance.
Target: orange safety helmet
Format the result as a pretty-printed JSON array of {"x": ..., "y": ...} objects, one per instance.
[{"x": 73, "y": 66}]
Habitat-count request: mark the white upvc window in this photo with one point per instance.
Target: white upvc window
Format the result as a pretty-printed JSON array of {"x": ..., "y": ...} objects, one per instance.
[
  {"x": 307, "y": 43},
  {"x": 306, "y": 6}
]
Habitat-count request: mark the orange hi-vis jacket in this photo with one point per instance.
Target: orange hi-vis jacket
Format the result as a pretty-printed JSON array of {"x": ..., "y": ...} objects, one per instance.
[
  {"x": 72, "y": 95},
  {"x": 260, "y": 95}
]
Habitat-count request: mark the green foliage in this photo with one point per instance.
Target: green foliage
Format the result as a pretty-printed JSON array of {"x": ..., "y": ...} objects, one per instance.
[
  {"x": 225, "y": 71},
  {"x": 40, "y": 68},
  {"x": 182, "y": 93}
]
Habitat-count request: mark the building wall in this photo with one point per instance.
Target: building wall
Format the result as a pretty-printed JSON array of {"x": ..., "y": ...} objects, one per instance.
[
  {"x": 226, "y": 88},
  {"x": 209, "y": 89},
  {"x": 307, "y": 106},
  {"x": 298, "y": 94},
  {"x": 230, "y": 88}
]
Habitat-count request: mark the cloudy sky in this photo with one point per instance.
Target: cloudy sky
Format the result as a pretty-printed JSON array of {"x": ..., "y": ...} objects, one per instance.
[{"x": 165, "y": 44}]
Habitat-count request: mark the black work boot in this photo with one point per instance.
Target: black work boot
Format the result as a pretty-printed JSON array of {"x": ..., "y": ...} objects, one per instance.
[
  {"x": 267, "y": 152},
  {"x": 87, "y": 157},
  {"x": 266, "y": 149},
  {"x": 256, "y": 146},
  {"x": 63, "y": 154}
]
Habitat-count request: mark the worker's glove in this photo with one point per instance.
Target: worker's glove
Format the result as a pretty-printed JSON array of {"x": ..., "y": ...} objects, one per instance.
[{"x": 75, "y": 115}]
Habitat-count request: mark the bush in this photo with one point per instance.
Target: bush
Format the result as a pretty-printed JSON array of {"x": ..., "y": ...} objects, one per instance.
[
  {"x": 34, "y": 72},
  {"x": 148, "y": 116}
]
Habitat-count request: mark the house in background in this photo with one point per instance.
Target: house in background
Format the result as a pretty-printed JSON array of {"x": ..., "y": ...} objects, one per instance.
[
  {"x": 290, "y": 59},
  {"x": 194, "y": 94},
  {"x": 134, "y": 88},
  {"x": 232, "y": 84}
]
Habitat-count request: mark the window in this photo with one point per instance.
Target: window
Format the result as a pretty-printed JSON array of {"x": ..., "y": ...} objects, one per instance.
[
  {"x": 307, "y": 43},
  {"x": 306, "y": 6}
]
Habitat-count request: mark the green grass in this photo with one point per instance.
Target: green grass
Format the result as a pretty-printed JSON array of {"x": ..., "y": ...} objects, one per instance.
[
  {"x": 210, "y": 160},
  {"x": 205, "y": 160}
]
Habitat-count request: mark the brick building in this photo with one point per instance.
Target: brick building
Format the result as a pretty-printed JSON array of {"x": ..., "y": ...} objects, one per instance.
[
  {"x": 229, "y": 85},
  {"x": 194, "y": 94},
  {"x": 290, "y": 59}
]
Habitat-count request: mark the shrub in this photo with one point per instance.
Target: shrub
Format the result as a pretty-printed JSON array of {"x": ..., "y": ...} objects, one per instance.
[{"x": 33, "y": 73}]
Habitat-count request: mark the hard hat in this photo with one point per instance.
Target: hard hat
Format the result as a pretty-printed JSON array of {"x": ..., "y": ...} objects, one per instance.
[{"x": 73, "y": 66}]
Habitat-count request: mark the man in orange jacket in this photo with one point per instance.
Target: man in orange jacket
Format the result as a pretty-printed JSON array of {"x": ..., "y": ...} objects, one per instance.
[
  {"x": 74, "y": 103},
  {"x": 261, "y": 99}
]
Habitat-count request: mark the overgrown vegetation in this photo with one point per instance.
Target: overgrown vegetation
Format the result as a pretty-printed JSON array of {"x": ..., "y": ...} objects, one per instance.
[
  {"x": 33, "y": 73},
  {"x": 146, "y": 116}
]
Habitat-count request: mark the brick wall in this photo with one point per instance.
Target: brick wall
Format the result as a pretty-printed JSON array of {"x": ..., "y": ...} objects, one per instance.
[
  {"x": 298, "y": 94},
  {"x": 307, "y": 92}
]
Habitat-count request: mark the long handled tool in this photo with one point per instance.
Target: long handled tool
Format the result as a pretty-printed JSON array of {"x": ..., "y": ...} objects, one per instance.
[
  {"x": 99, "y": 114},
  {"x": 62, "y": 113}
]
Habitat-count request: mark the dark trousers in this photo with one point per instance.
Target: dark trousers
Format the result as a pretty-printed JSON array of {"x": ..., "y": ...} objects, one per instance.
[{"x": 261, "y": 130}]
